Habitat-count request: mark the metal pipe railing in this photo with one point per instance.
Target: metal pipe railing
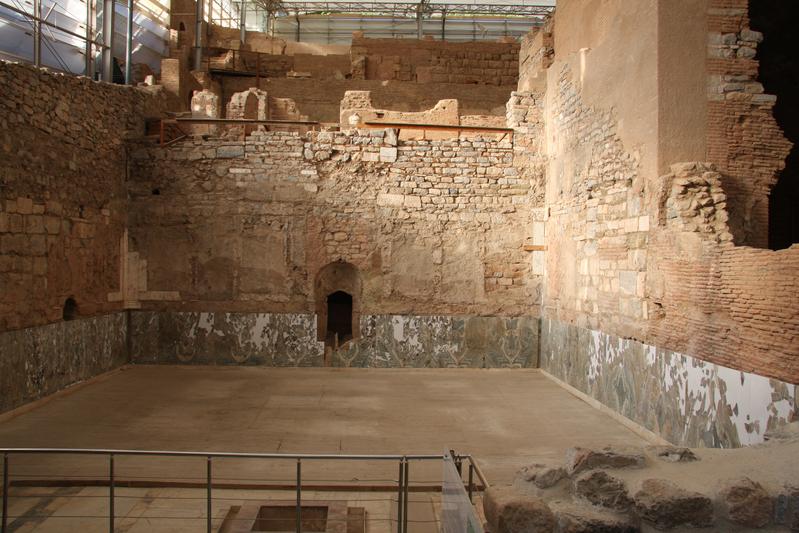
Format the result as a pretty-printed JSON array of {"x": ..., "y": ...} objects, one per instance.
[{"x": 403, "y": 482}]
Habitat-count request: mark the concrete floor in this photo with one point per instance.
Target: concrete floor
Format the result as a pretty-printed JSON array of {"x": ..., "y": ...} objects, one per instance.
[{"x": 505, "y": 418}]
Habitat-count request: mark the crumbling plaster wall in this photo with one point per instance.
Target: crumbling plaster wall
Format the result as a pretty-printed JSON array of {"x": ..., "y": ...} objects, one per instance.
[
  {"x": 63, "y": 211},
  {"x": 642, "y": 247}
]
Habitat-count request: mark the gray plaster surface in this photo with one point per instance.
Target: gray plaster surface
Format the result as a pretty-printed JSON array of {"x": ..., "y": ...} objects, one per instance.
[{"x": 505, "y": 418}]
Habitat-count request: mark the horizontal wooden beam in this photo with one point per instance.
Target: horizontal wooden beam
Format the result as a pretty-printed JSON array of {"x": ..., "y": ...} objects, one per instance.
[{"x": 443, "y": 127}]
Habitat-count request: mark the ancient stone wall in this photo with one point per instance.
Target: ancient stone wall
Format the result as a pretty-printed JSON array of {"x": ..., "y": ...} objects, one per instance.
[
  {"x": 652, "y": 257},
  {"x": 62, "y": 194},
  {"x": 429, "y": 61},
  {"x": 320, "y": 101},
  {"x": 743, "y": 139},
  {"x": 433, "y": 227}
]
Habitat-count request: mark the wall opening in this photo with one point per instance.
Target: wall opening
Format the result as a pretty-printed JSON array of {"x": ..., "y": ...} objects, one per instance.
[
  {"x": 339, "y": 317},
  {"x": 70, "y": 311},
  {"x": 337, "y": 292},
  {"x": 779, "y": 73}
]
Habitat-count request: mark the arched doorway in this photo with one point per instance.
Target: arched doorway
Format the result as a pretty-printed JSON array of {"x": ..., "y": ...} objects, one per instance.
[
  {"x": 337, "y": 291},
  {"x": 339, "y": 318}
]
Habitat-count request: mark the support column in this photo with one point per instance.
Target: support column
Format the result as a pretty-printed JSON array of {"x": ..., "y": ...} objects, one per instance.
[
  {"x": 108, "y": 41},
  {"x": 198, "y": 37},
  {"x": 129, "y": 46},
  {"x": 243, "y": 21},
  {"x": 297, "y": 18},
  {"x": 419, "y": 32},
  {"x": 443, "y": 25},
  {"x": 89, "y": 39},
  {"x": 37, "y": 33}
]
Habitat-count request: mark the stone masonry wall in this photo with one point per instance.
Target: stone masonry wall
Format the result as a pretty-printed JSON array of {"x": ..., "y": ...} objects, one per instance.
[
  {"x": 433, "y": 227},
  {"x": 320, "y": 101},
  {"x": 62, "y": 193},
  {"x": 426, "y": 61},
  {"x": 655, "y": 258}
]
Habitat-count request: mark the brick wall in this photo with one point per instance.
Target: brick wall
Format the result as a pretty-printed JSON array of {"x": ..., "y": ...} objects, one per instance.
[
  {"x": 432, "y": 226},
  {"x": 429, "y": 61},
  {"x": 658, "y": 259},
  {"x": 743, "y": 138},
  {"x": 536, "y": 53},
  {"x": 62, "y": 193}
]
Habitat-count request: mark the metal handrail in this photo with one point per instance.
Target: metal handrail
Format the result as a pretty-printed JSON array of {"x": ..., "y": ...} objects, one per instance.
[
  {"x": 402, "y": 482},
  {"x": 104, "y": 451}
]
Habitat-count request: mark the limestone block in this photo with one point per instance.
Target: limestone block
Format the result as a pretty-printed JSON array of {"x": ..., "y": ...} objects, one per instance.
[
  {"x": 583, "y": 518},
  {"x": 388, "y": 154},
  {"x": 508, "y": 511},
  {"x": 746, "y": 503},
  {"x": 542, "y": 475},
  {"x": 600, "y": 488},
  {"x": 665, "y": 505},
  {"x": 580, "y": 459},
  {"x": 230, "y": 152}
]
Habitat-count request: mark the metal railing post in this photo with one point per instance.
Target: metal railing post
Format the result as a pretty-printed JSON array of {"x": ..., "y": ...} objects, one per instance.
[
  {"x": 4, "y": 524},
  {"x": 208, "y": 495},
  {"x": 111, "y": 492},
  {"x": 299, "y": 495},
  {"x": 400, "y": 488},
  {"x": 471, "y": 480},
  {"x": 406, "y": 479}
]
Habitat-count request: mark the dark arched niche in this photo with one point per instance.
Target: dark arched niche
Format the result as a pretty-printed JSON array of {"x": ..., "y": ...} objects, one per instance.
[{"x": 337, "y": 290}]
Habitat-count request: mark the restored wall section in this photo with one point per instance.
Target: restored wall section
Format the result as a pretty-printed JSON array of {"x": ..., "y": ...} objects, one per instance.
[
  {"x": 425, "y": 61},
  {"x": 320, "y": 101}
]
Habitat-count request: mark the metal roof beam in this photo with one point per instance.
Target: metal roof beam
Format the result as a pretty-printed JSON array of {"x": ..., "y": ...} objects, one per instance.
[{"x": 412, "y": 8}]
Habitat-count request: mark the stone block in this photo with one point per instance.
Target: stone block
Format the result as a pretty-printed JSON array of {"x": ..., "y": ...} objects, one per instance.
[
  {"x": 388, "y": 154},
  {"x": 581, "y": 459},
  {"x": 390, "y": 200},
  {"x": 600, "y": 488},
  {"x": 746, "y": 503},
  {"x": 508, "y": 511},
  {"x": 665, "y": 505},
  {"x": 230, "y": 152},
  {"x": 541, "y": 475}
]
